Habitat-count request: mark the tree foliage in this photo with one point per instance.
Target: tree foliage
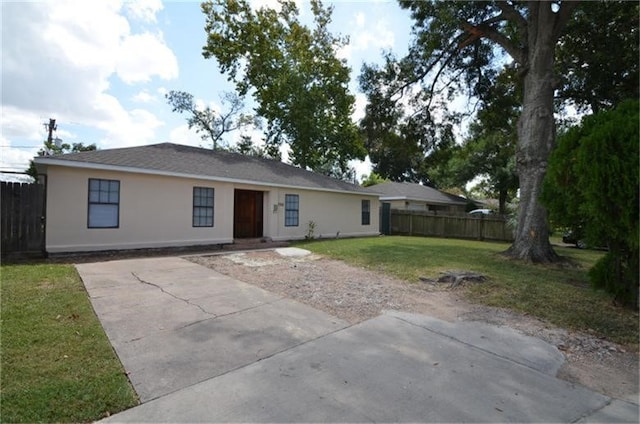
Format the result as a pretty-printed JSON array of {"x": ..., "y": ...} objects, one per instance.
[
  {"x": 246, "y": 147},
  {"x": 597, "y": 57},
  {"x": 211, "y": 124},
  {"x": 593, "y": 183},
  {"x": 372, "y": 179},
  {"x": 292, "y": 72},
  {"x": 50, "y": 147},
  {"x": 489, "y": 149}
]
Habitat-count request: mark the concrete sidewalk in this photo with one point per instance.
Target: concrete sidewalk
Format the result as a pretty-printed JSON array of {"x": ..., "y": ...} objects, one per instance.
[{"x": 199, "y": 346}]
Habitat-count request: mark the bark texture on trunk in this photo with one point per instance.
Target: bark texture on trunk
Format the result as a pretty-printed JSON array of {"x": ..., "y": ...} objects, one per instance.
[{"x": 536, "y": 138}]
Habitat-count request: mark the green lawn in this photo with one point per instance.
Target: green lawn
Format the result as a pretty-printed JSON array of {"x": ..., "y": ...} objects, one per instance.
[
  {"x": 558, "y": 294},
  {"x": 57, "y": 364}
]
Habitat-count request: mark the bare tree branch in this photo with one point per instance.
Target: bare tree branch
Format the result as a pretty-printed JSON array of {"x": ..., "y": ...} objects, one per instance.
[{"x": 214, "y": 125}]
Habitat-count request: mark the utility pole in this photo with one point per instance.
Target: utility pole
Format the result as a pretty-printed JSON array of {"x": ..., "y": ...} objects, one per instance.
[{"x": 51, "y": 127}]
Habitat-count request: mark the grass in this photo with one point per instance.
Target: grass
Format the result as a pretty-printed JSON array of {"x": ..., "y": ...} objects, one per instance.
[
  {"x": 558, "y": 294},
  {"x": 57, "y": 364}
]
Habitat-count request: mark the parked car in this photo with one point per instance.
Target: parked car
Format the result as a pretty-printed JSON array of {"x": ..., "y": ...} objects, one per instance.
[
  {"x": 477, "y": 212},
  {"x": 574, "y": 237}
]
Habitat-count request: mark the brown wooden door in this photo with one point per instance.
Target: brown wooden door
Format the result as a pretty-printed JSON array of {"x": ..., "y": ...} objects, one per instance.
[{"x": 247, "y": 214}]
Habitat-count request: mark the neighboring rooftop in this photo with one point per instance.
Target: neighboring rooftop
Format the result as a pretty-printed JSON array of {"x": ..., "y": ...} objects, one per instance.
[
  {"x": 412, "y": 191},
  {"x": 186, "y": 161}
]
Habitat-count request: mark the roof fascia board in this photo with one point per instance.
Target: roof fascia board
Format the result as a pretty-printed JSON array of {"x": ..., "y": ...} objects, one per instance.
[
  {"x": 393, "y": 198},
  {"x": 104, "y": 167},
  {"x": 415, "y": 199}
]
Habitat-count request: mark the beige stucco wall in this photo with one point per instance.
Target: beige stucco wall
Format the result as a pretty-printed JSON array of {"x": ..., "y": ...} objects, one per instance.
[
  {"x": 333, "y": 214},
  {"x": 156, "y": 211}
]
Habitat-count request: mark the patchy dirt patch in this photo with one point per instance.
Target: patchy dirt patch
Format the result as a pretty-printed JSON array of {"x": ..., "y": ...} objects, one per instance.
[{"x": 356, "y": 294}]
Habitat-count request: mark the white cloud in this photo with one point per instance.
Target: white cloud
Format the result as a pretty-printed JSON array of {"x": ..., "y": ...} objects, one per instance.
[
  {"x": 134, "y": 127},
  {"x": 144, "y": 10},
  {"x": 344, "y": 52},
  {"x": 359, "y": 109},
  {"x": 15, "y": 158},
  {"x": 378, "y": 35},
  {"x": 17, "y": 124},
  {"x": 61, "y": 58},
  {"x": 144, "y": 96},
  {"x": 259, "y": 4},
  {"x": 275, "y": 5},
  {"x": 202, "y": 104},
  {"x": 142, "y": 56},
  {"x": 183, "y": 135},
  {"x": 362, "y": 167},
  {"x": 366, "y": 36}
]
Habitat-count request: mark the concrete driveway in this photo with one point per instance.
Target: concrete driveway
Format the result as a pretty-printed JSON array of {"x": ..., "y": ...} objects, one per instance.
[{"x": 201, "y": 347}]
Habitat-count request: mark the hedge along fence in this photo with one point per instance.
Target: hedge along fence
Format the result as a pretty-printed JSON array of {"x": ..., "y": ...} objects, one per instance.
[{"x": 420, "y": 223}]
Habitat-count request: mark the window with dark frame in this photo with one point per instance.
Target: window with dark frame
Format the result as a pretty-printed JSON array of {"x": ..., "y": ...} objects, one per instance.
[
  {"x": 104, "y": 203},
  {"x": 366, "y": 212},
  {"x": 203, "y": 206},
  {"x": 291, "y": 210}
]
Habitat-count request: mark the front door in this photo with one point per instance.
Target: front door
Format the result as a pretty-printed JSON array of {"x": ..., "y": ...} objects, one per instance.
[{"x": 247, "y": 214}]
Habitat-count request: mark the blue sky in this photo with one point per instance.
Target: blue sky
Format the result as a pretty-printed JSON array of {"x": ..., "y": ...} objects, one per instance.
[{"x": 101, "y": 68}]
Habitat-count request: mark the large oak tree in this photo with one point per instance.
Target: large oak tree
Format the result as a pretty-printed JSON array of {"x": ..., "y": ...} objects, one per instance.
[{"x": 461, "y": 47}]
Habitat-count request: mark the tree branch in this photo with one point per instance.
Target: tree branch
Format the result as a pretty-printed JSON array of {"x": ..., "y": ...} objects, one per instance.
[
  {"x": 492, "y": 34},
  {"x": 514, "y": 16},
  {"x": 444, "y": 65},
  {"x": 429, "y": 68}
]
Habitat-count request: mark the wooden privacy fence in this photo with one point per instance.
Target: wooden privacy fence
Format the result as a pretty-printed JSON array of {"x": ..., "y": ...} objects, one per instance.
[
  {"x": 22, "y": 226},
  {"x": 419, "y": 223}
]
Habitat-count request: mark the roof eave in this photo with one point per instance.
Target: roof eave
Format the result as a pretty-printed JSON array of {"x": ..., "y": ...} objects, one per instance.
[{"x": 415, "y": 199}]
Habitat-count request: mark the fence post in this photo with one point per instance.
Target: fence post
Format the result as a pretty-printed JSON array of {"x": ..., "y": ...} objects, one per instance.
[{"x": 410, "y": 224}]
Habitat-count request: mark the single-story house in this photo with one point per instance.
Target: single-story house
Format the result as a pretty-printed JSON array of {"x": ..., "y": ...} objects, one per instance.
[
  {"x": 416, "y": 197},
  {"x": 167, "y": 195}
]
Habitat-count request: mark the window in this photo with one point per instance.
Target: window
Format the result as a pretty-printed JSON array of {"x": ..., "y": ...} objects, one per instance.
[
  {"x": 366, "y": 212},
  {"x": 291, "y": 210},
  {"x": 104, "y": 203},
  {"x": 202, "y": 207}
]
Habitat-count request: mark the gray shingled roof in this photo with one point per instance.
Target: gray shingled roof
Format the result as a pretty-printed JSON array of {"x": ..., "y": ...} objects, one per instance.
[
  {"x": 177, "y": 159},
  {"x": 412, "y": 191}
]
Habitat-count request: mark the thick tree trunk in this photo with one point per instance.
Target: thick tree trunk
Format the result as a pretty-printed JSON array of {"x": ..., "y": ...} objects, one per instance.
[{"x": 536, "y": 138}]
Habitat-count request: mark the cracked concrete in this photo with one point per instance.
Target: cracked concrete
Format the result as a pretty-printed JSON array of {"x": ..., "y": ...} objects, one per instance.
[
  {"x": 187, "y": 301},
  {"x": 174, "y": 323},
  {"x": 247, "y": 355}
]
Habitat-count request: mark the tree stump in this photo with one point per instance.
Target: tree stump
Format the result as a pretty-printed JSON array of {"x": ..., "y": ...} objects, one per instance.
[{"x": 455, "y": 278}]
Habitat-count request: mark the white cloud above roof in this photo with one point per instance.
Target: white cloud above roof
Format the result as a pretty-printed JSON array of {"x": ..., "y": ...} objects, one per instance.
[
  {"x": 142, "y": 56},
  {"x": 63, "y": 58},
  {"x": 144, "y": 10}
]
